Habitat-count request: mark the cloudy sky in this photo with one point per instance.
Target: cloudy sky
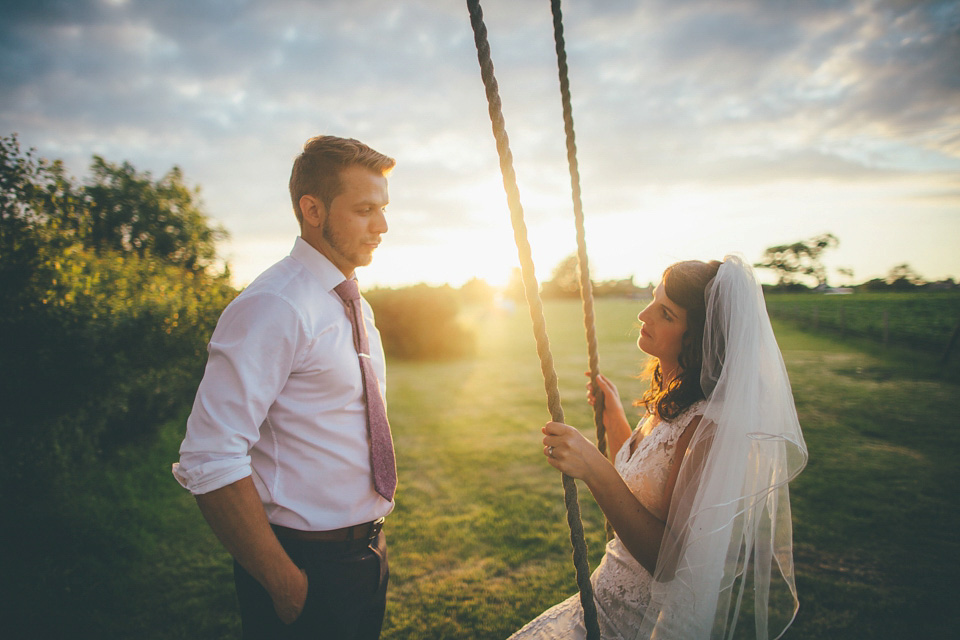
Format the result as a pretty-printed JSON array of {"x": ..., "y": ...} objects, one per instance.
[{"x": 704, "y": 127}]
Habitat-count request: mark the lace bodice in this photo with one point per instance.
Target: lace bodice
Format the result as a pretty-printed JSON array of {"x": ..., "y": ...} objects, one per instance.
[
  {"x": 621, "y": 585},
  {"x": 645, "y": 470}
]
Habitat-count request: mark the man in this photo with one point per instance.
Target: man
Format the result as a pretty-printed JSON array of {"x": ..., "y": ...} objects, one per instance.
[{"x": 284, "y": 462}]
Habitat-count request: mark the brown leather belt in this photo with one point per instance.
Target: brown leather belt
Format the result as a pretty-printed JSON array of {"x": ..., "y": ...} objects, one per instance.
[{"x": 365, "y": 532}]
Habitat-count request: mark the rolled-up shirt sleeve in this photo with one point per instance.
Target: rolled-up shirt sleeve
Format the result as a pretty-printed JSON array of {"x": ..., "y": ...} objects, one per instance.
[{"x": 252, "y": 351}]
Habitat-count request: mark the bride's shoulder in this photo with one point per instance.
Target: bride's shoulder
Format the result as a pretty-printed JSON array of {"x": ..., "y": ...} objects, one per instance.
[{"x": 691, "y": 413}]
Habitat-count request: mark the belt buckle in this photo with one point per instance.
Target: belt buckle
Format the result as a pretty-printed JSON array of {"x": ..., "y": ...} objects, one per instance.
[{"x": 375, "y": 527}]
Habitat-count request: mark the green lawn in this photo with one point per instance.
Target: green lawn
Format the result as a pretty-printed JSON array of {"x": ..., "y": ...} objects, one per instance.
[{"x": 479, "y": 542}]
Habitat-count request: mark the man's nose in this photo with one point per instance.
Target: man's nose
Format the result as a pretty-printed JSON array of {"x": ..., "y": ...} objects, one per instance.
[{"x": 380, "y": 223}]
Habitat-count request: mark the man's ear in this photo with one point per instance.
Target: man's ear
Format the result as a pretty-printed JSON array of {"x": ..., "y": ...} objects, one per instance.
[{"x": 312, "y": 210}]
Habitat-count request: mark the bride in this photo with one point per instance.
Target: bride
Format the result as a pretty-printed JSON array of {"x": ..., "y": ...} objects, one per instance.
[{"x": 697, "y": 493}]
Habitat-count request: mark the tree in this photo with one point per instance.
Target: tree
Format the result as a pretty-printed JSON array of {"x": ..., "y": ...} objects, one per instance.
[
  {"x": 514, "y": 290},
  {"x": 903, "y": 278},
  {"x": 476, "y": 291},
  {"x": 624, "y": 288},
  {"x": 40, "y": 210},
  {"x": 119, "y": 209},
  {"x": 421, "y": 322},
  {"x": 131, "y": 213},
  {"x": 793, "y": 262},
  {"x": 565, "y": 282},
  {"x": 101, "y": 342},
  {"x": 847, "y": 273}
]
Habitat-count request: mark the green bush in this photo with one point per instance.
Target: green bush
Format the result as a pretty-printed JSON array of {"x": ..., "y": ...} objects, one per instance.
[
  {"x": 421, "y": 322},
  {"x": 112, "y": 347},
  {"x": 99, "y": 344}
]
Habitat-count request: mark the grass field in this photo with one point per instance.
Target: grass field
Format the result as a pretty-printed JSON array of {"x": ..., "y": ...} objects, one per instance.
[
  {"x": 479, "y": 542},
  {"x": 920, "y": 320}
]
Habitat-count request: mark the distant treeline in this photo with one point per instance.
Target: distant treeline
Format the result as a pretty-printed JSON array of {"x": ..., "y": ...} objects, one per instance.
[
  {"x": 564, "y": 282},
  {"x": 794, "y": 264},
  {"x": 876, "y": 285}
]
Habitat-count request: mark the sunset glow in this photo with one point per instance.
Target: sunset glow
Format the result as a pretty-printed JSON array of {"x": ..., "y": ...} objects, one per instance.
[{"x": 703, "y": 127}]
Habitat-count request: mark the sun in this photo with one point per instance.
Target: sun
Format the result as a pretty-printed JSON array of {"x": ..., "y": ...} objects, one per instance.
[{"x": 474, "y": 237}]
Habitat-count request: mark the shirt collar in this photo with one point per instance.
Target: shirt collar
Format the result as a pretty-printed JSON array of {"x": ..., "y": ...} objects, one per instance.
[{"x": 316, "y": 263}]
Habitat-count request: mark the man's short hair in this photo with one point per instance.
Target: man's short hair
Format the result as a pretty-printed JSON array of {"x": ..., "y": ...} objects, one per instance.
[{"x": 316, "y": 171}]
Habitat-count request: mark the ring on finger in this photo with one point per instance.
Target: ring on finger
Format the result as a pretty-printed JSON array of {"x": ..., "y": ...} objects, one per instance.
[{"x": 550, "y": 451}]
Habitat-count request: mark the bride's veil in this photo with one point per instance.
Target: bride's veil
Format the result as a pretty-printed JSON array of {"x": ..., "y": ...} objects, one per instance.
[{"x": 727, "y": 553}]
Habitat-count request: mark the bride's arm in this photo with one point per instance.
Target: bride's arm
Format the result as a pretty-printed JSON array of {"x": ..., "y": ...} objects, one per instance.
[{"x": 640, "y": 531}]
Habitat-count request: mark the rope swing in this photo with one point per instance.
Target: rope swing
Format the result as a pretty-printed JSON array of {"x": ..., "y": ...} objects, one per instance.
[
  {"x": 530, "y": 285},
  {"x": 586, "y": 288}
]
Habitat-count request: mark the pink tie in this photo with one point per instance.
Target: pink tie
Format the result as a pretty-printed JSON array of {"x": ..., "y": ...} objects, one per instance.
[{"x": 382, "y": 459}]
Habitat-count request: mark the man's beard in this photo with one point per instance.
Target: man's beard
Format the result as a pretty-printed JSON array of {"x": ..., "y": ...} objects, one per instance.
[{"x": 341, "y": 246}]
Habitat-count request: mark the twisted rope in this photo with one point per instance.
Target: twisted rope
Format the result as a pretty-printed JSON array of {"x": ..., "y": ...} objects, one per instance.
[
  {"x": 530, "y": 287},
  {"x": 586, "y": 287}
]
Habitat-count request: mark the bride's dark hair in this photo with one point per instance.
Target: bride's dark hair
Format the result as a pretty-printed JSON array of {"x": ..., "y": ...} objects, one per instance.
[{"x": 685, "y": 283}]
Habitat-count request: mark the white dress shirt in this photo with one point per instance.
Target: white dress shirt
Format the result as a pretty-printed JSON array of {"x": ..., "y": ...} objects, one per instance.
[{"x": 282, "y": 399}]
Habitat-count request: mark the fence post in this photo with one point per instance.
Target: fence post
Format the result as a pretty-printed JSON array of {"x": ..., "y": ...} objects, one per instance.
[
  {"x": 950, "y": 345},
  {"x": 886, "y": 327}
]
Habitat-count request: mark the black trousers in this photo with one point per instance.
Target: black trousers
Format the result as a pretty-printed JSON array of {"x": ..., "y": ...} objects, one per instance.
[{"x": 346, "y": 593}]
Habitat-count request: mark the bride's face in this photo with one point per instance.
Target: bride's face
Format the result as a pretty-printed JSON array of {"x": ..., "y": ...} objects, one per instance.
[{"x": 664, "y": 323}]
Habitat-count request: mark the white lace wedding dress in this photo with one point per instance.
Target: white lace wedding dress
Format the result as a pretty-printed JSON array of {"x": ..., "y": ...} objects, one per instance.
[{"x": 621, "y": 585}]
